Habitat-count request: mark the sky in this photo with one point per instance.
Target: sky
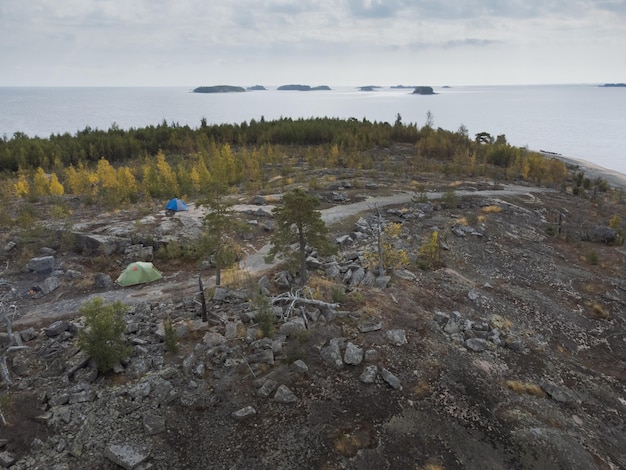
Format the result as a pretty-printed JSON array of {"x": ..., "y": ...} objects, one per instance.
[{"x": 312, "y": 42}]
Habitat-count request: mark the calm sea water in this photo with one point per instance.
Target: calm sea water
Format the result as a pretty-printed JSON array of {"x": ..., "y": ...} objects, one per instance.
[{"x": 580, "y": 121}]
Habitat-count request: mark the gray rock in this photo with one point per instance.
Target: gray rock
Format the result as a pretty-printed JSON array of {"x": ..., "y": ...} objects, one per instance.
[
  {"x": 357, "y": 277},
  {"x": 370, "y": 326},
  {"x": 332, "y": 270},
  {"x": 473, "y": 294},
  {"x": 60, "y": 399},
  {"x": 86, "y": 396},
  {"x": 50, "y": 284},
  {"x": 476, "y": 344},
  {"x": 41, "y": 264},
  {"x": 370, "y": 355},
  {"x": 441, "y": 318},
  {"x": 368, "y": 376},
  {"x": 28, "y": 334},
  {"x": 404, "y": 274},
  {"x": 285, "y": 395},
  {"x": 141, "y": 390},
  {"x": 300, "y": 366},
  {"x": 258, "y": 200},
  {"x": 292, "y": 326},
  {"x": 56, "y": 328},
  {"x": 230, "y": 330},
  {"x": 138, "y": 253},
  {"x": 264, "y": 285},
  {"x": 211, "y": 339},
  {"x": 604, "y": 234},
  {"x": 93, "y": 244},
  {"x": 452, "y": 326},
  {"x": 353, "y": 354},
  {"x": 344, "y": 240},
  {"x": 396, "y": 337},
  {"x": 331, "y": 354},
  {"x": 153, "y": 424},
  {"x": 244, "y": 413},
  {"x": 313, "y": 263},
  {"x": 551, "y": 449},
  {"x": 266, "y": 389},
  {"x": 163, "y": 391},
  {"x": 265, "y": 356},
  {"x": 6, "y": 459},
  {"x": 392, "y": 380},
  {"x": 9, "y": 246},
  {"x": 558, "y": 393},
  {"x": 382, "y": 281},
  {"x": 103, "y": 281},
  {"x": 125, "y": 456}
]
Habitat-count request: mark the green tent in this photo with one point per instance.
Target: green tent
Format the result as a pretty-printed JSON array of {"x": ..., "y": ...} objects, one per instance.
[{"x": 138, "y": 273}]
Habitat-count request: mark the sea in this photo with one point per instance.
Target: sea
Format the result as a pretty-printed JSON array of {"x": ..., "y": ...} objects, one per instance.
[{"x": 586, "y": 122}]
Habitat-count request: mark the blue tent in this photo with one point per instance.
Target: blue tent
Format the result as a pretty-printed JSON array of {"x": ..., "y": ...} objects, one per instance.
[{"x": 176, "y": 204}]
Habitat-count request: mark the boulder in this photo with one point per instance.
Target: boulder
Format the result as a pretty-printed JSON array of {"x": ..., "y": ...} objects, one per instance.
[
  {"x": 396, "y": 337},
  {"x": 353, "y": 354},
  {"x": 103, "y": 281},
  {"x": 284, "y": 395},
  {"x": 41, "y": 264},
  {"x": 368, "y": 376},
  {"x": 332, "y": 355},
  {"x": 153, "y": 424},
  {"x": 392, "y": 380},
  {"x": 125, "y": 456},
  {"x": 56, "y": 328}
]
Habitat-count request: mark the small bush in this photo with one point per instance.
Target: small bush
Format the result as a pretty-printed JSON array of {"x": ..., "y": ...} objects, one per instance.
[
  {"x": 265, "y": 318},
  {"x": 592, "y": 257},
  {"x": 472, "y": 219},
  {"x": 171, "y": 337},
  {"x": 102, "y": 336},
  {"x": 338, "y": 294},
  {"x": 450, "y": 200}
]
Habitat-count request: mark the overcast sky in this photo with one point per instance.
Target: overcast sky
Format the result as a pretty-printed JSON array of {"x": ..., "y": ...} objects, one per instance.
[{"x": 313, "y": 42}]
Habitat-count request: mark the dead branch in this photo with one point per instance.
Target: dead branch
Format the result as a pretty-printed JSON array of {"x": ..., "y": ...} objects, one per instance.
[{"x": 298, "y": 297}]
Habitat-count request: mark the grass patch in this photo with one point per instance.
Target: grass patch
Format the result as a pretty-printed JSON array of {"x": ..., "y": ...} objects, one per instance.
[
  {"x": 525, "y": 388},
  {"x": 493, "y": 209},
  {"x": 598, "y": 312}
]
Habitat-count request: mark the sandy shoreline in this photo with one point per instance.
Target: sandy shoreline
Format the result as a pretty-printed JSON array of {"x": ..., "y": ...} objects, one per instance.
[{"x": 592, "y": 171}]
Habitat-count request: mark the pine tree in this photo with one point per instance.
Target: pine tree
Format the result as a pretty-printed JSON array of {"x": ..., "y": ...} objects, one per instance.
[{"x": 299, "y": 223}]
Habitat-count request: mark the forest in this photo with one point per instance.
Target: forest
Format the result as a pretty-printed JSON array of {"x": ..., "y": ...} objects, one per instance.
[{"x": 118, "y": 166}]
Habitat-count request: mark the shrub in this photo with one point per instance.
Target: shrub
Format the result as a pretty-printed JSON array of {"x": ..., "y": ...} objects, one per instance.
[
  {"x": 450, "y": 200},
  {"x": 429, "y": 255},
  {"x": 592, "y": 257},
  {"x": 171, "y": 337},
  {"x": 102, "y": 336},
  {"x": 265, "y": 318},
  {"x": 338, "y": 294}
]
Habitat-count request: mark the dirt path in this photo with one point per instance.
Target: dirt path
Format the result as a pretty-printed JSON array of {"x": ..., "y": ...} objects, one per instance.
[{"x": 184, "y": 284}]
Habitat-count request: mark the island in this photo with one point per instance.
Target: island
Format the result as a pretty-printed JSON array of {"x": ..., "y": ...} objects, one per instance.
[
  {"x": 423, "y": 90},
  {"x": 614, "y": 85},
  {"x": 401, "y": 87},
  {"x": 219, "y": 89},
  {"x": 303, "y": 88},
  {"x": 256, "y": 88},
  {"x": 368, "y": 88}
]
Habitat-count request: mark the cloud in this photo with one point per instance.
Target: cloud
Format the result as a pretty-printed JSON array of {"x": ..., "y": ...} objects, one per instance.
[{"x": 137, "y": 40}]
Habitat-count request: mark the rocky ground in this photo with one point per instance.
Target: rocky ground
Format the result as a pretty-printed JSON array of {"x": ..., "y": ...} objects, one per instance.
[{"x": 510, "y": 353}]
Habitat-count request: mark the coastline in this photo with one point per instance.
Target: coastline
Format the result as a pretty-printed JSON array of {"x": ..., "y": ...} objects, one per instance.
[{"x": 592, "y": 170}]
